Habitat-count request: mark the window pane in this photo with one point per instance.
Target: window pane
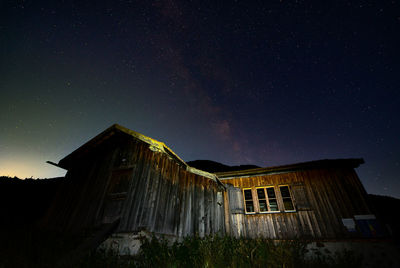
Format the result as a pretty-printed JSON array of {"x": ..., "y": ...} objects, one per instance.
[
  {"x": 263, "y": 205},
  {"x": 287, "y": 202},
  {"x": 261, "y": 193},
  {"x": 119, "y": 182},
  {"x": 271, "y": 192},
  {"x": 285, "y": 191},
  {"x": 249, "y": 206},
  {"x": 247, "y": 195},
  {"x": 273, "y": 205}
]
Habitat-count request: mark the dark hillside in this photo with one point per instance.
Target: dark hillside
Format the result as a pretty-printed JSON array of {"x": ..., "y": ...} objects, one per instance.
[
  {"x": 386, "y": 209},
  {"x": 211, "y": 166},
  {"x": 23, "y": 202}
]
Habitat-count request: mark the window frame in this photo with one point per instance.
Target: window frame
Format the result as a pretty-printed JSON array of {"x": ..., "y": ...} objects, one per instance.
[
  {"x": 291, "y": 197},
  {"x": 266, "y": 199},
  {"x": 278, "y": 197},
  {"x": 252, "y": 199}
]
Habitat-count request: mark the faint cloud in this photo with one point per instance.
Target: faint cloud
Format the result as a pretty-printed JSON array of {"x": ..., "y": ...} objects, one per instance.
[
  {"x": 236, "y": 146},
  {"x": 169, "y": 9},
  {"x": 223, "y": 130}
]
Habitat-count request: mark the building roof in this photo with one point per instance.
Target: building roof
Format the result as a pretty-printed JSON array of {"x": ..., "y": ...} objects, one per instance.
[
  {"x": 154, "y": 145},
  {"x": 158, "y": 146},
  {"x": 110, "y": 132},
  {"x": 326, "y": 163}
]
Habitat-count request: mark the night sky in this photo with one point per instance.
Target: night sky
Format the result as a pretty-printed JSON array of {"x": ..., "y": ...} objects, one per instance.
[{"x": 238, "y": 82}]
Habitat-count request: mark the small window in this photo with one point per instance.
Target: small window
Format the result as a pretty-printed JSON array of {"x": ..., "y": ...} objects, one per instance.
[
  {"x": 286, "y": 198},
  {"x": 273, "y": 204},
  {"x": 262, "y": 201},
  {"x": 248, "y": 200},
  {"x": 120, "y": 181}
]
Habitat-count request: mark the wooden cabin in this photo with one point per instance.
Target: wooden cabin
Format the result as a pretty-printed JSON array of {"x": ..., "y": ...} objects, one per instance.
[
  {"x": 319, "y": 200},
  {"x": 124, "y": 178}
]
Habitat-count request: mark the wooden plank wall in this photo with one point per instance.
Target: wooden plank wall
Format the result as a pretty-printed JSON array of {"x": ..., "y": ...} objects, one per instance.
[
  {"x": 165, "y": 198},
  {"x": 332, "y": 194},
  {"x": 161, "y": 195},
  {"x": 80, "y": 198}
]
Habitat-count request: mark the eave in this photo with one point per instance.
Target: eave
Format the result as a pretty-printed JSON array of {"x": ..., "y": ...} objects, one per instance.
[{"x": 319, "y": 164}]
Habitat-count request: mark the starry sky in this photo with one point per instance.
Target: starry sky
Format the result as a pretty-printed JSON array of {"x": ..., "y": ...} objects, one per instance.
[{"x": 238, "y": 82}]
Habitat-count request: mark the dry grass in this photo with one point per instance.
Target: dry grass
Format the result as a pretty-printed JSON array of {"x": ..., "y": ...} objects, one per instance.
[{"x": 30, "y": 247}]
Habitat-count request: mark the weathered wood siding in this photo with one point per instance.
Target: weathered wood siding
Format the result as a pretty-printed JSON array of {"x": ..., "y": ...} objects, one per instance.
[
  {"x": 147, "y": 189},
  {"x": 322, "y": 197}
]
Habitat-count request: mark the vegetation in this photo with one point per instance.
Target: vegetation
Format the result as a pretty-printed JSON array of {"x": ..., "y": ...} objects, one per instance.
[
  {"x": 34, "y": 248},
  {"x": 222, "y": 251}
]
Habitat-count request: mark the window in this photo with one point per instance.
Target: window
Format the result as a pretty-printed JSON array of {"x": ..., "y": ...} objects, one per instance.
[
  {"x": 264, "y": 199},
  {"x": 119, "y": 183},
  {"x": 116, "y": 194},
  {"x": 248, "y": 200},
  {"x": 273, "y": 204},
  {"x": 267, "y": 199},
  {"x": 286, "y": 198}
]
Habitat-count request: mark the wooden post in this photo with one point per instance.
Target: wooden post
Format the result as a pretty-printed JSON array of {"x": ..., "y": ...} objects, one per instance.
[{"x": 227, "y": 214}]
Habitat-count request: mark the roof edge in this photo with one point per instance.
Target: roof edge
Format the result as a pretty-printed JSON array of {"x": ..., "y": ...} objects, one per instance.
[
  {"x": 325, "y": 163},
  {"x": 155, "y": 145},
  {"x": 206, "y": 174}
]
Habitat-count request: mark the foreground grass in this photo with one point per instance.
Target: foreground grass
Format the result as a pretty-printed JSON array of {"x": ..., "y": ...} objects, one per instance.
[
  {"x": 222, "y": 251},
  {"x": 35, "y": 248}
]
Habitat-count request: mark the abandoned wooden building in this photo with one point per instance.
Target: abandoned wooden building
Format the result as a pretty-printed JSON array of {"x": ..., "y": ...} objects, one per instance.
[{"x": 138, "y": 183}]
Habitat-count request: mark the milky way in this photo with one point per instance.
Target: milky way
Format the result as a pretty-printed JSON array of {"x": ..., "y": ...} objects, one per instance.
[{"x": 260, "y": 83}]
